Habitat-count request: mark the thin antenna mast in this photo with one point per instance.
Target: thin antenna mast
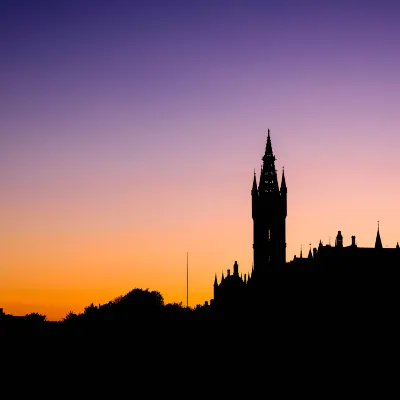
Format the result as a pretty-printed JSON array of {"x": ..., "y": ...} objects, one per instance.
[{"x": 187, "y": 279}]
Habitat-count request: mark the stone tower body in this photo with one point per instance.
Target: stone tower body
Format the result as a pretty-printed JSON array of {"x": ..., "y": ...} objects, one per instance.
[{"x": 269, "y": 211}]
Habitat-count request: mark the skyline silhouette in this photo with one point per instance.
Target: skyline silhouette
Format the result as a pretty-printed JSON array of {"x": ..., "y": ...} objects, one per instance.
[
  {"x": 324, "y": 272},
  {"x": 129, "y": 134}
]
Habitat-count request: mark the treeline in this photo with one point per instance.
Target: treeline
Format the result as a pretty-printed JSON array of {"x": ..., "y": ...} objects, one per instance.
[
  {"x": 137, "y": 310},
  {"x": 285, "y": 305}
]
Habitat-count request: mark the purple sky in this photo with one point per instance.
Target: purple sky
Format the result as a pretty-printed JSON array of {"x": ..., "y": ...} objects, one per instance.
[
  {"x": 156, "y": 112},
  {"x": 142, "y": 83}
]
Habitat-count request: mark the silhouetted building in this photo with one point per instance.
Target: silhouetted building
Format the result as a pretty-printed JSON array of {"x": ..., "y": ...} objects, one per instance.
[
  {"x": 269, "y": 211},
  {"x": 349, "y": 259}
]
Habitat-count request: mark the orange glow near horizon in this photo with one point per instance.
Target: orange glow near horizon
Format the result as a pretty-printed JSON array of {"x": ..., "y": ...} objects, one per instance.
[{"x": 60, "y": 259}]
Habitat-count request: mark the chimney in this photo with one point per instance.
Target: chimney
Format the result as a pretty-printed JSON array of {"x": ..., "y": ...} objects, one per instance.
[{"x": 353, "y": 241}]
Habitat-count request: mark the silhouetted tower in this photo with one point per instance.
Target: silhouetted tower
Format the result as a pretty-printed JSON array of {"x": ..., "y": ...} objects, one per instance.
[
  {"x": 378, "y": 241},
  {"x": 269, "y": 211},
  {"x": 339, "y": 239},
  {"x": 310, "y": 256},
  {"x": 236, "y": 269}
]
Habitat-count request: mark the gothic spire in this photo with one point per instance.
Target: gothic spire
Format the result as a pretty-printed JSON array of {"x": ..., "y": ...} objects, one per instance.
[
  {"x": 254, "y": 188},
  {"x": 215, "y": 280},
  {"x": 284, "y": 193},
  {"x": 268, "y": 178},
  {"x": 378, "y": 241},
  {"x": 283, "y": 181},
  {"x": 268, "y": 147}
]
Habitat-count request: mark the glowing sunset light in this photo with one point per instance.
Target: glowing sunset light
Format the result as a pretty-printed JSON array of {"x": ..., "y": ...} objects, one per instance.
[{"x": 129, "y": 134}]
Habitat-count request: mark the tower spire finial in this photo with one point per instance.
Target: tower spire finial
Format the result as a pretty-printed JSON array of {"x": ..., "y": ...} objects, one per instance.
[
  {"x": 268, "y": 181},
  {"x": 378, "y": 240},
  {"x": 254, "y": 187},
  {"x": 283, "y": 180},
  {"x": 309, "y": 252}
]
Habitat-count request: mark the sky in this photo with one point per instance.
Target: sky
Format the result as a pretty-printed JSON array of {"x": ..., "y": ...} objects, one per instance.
[{"x": 130, "y": 130}]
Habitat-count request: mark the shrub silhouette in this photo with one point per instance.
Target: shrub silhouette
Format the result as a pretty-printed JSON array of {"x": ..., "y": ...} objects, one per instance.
[{"x": 35, "y": 317}]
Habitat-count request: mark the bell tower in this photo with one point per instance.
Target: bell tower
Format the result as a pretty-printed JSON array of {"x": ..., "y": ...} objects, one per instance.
[{"x": 269, "y": 210}]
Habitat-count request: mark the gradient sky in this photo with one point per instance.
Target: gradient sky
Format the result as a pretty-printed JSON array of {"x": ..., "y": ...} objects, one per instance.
[{"x": 129, "y": 132}]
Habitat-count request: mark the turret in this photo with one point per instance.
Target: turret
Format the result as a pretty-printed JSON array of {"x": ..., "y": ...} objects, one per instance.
[
  {"x": 215, "y": 288},
  {"x": 378, "y": 241},
  {"x": 339, "y": 239},
  {"x": 236, "y": 269},
  {"x": 284, "y": 194},
  {"x": 254, "y": 197}
]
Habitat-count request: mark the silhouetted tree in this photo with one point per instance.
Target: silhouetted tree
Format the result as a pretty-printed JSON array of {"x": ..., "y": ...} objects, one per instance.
[
  {"x": 139, "y": 303},
  {"x": 142, "y": 298},
  {"x": 35, "y": 317},
  {"x": 91, "y": 309},
  {"x": 176, "y": 311},
  {"x": 70, "y": 317}
]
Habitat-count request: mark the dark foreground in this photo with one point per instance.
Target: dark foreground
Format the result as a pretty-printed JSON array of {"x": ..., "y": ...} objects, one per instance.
[
  {"x": 305, "y": 335},
  {"x": 288, "y": 305}
]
